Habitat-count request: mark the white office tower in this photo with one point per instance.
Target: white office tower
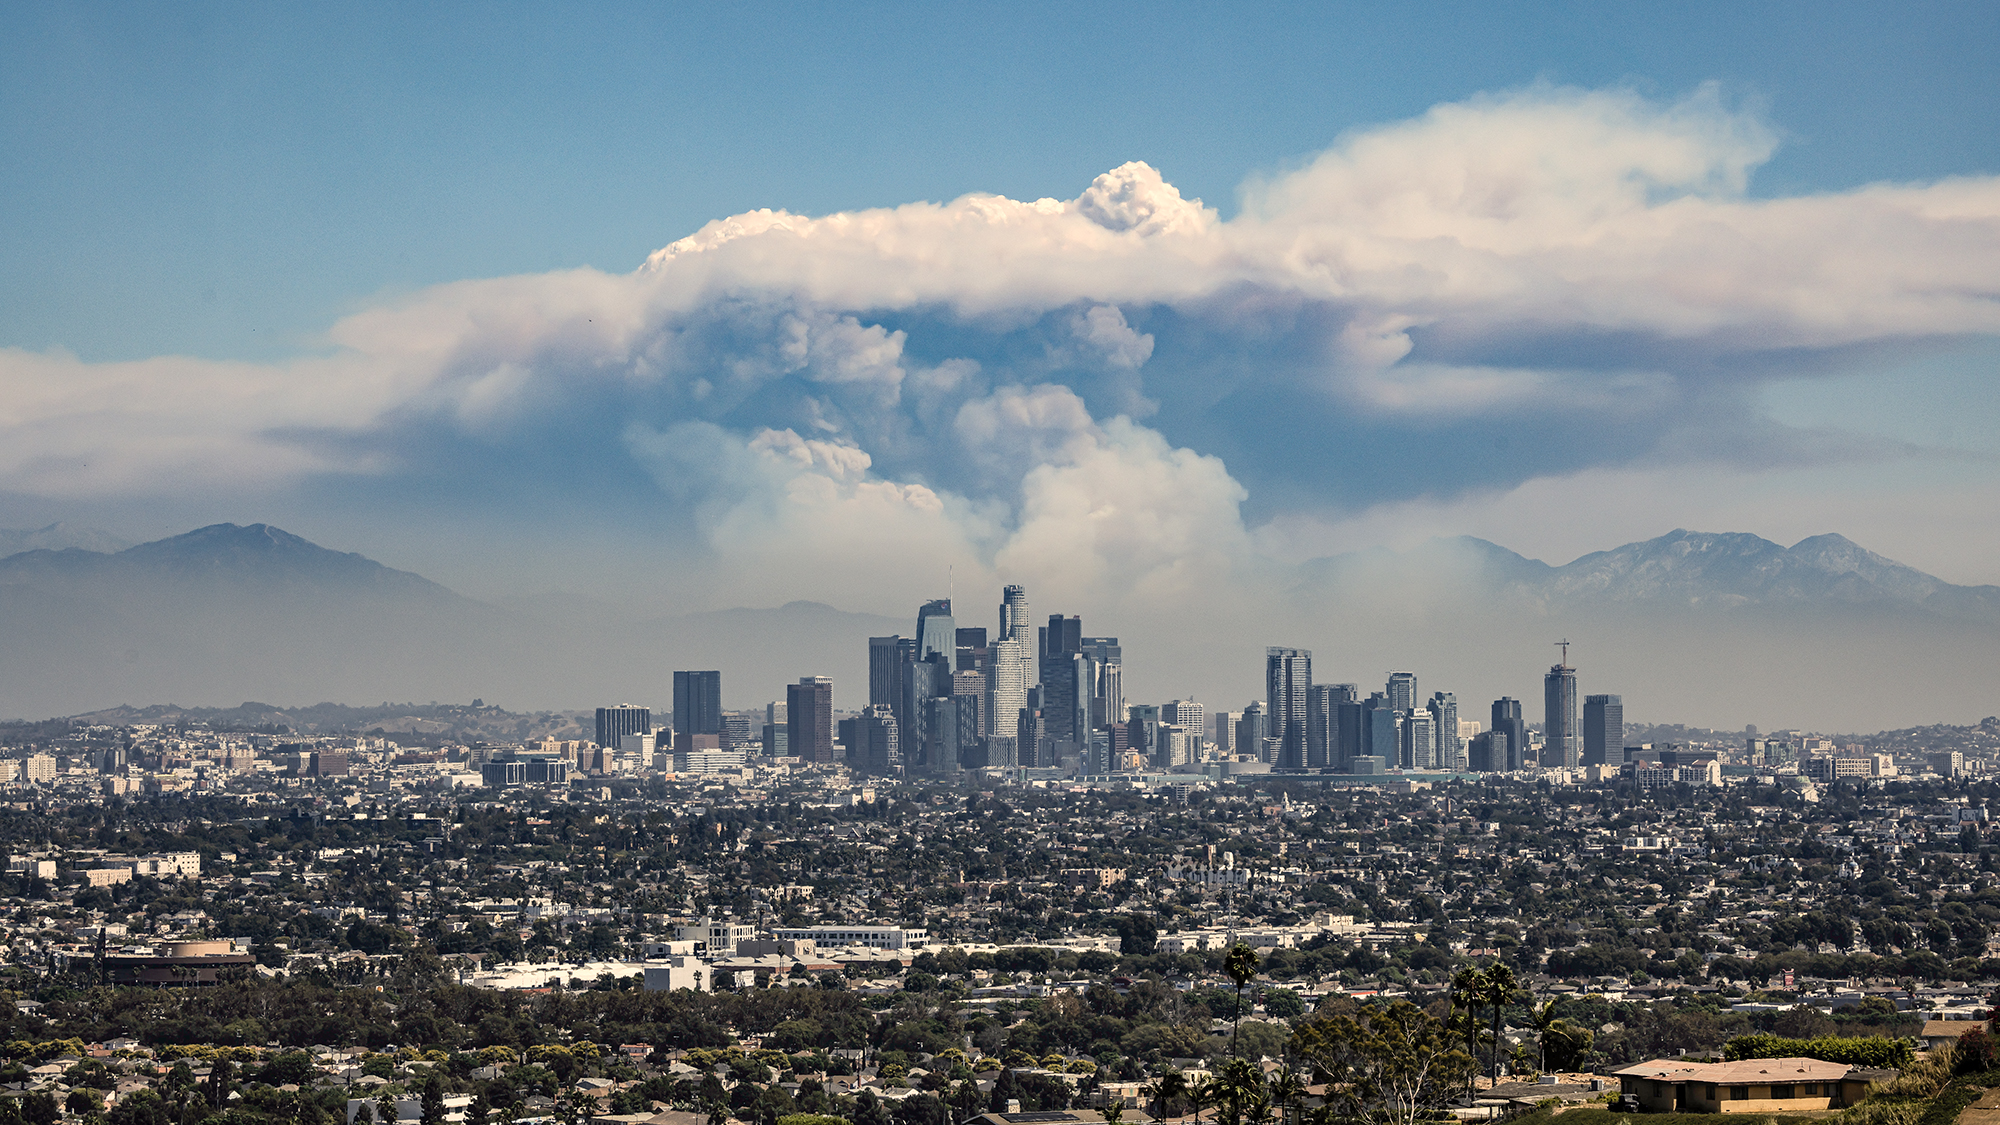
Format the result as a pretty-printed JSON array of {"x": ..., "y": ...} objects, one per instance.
[
  {"x": 1014, "y": 615},
  {"x": 1188, "y": 714},
  {"x": 1444, "y": 726},
  {"x": 1420, "y": 750},
  {"x": 636, "y": 752},
  {"x": 1007, "y": 673},
  {"x": 1010, "y": 666}
]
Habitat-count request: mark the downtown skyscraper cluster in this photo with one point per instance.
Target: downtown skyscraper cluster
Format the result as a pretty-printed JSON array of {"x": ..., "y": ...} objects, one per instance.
[
  {"x": 1302, "y": 725},
  {"x": 955, "y": 697}
]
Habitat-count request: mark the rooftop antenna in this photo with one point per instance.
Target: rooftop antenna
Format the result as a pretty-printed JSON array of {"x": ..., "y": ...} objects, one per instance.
[
  {"x": 949, "y": 568},
  {"x": 1564, "y": 645}
]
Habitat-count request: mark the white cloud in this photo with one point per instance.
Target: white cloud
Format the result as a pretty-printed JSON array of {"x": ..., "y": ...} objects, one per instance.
[{"x": 773, "y": 374}]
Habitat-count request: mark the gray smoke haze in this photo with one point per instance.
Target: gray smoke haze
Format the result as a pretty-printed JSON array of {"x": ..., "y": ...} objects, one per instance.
[
  {"x": 1717, "y": 630},
  {"x": 1552, "y": 316}
]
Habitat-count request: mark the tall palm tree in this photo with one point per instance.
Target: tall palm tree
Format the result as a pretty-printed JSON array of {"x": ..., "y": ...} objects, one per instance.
[
  {"x": 1498, "y": 992},
  {"x": 1467, "y": 988},
  {"x": 1241, "y": 965}
]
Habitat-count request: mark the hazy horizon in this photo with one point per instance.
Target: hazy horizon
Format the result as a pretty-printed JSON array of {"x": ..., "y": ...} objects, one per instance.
[{"x": 1151, "y": 317}]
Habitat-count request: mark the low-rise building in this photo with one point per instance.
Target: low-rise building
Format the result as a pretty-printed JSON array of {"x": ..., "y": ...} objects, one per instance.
[{"x": 1749, "y": 1086}]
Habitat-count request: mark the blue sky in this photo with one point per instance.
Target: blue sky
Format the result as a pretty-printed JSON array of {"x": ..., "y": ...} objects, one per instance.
[
  {"x": 1562, "y": 275},
  {"x": 224, "y": 180}
]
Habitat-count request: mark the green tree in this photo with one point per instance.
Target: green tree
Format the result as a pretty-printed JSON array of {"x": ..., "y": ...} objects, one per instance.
[
  {"x": 433, "y": 1099},
  {"x": 1394, "y": 1065}
]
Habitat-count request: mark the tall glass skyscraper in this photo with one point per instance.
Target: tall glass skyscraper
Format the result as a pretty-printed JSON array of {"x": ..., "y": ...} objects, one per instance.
[
  {"x": 1061, "y": 640},
  {"x": 809, "y": 711},
  {"x": 1288, "y": 680},
  {"x": 698, "y": 703},
  {"x": 1419, "y": 736},
  {"x": 1603, "y": 730},
  {"x": 1508, "y": 724},
  {"x": 937, "y": 632},
  {"x": 1402, "y": 691},
  {"x": 1010, "y": 666},
  {"x": 885, "y": 656},
  {"x": 1562, "y": 742},
  {"x": 1444, "y": 722}
]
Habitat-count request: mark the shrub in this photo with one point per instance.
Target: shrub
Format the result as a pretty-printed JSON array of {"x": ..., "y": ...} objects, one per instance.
[{"x": 1868, "y": 1051}]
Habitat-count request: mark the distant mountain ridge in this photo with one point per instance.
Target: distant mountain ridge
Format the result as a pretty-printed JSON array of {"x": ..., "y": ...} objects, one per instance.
[
  {"x": 1735, "y": 568},
  {"x": 58, "y": 536},
  {"x": 1691, "y": 626},
  {"x": 234, "y": 558}
]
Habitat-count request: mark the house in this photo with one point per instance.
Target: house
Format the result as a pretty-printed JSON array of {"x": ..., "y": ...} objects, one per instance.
[
  {"x": 1748, "y": 1086},
  {"x": 1055, "y": 1117},
  {"x": 1944, "y": 1033}
]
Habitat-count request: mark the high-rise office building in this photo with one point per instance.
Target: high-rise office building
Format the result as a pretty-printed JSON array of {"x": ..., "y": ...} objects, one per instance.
[
  {"x": 1222, "y": 733},
  {"x": 1142, "y": 731},
  {"x": 1479, "y": 752},
  {"x": 952, "y": 729},
  {"x": 969, "y": 688},
  {"x": 1510, "y": 735},
  {"x": 698, "y": 703},
  {"x": 972, "y": 650},
  {"x": 1014, "y": 615},
  {"x": 1444, "y": 724},
  {"x": 1060, "y": 642},
  {"x": 1250, "y": 731},
  {"x": 1380, "y": 724},
  {"x": 937, "y": 633},
  {"x": 1191, "y": 717},
  {"x": 1323, "y": 723},
  {"x": 1010, "y": 666},
  {"x": 1007, "y": 674},
  {"x": 737, "y": 730},
  {"x": 1030, "y": 739},
  {"x": 1107, "y": 682},
  {"x": 614, "y": 723},
  {"x": 1287, "y": 688},
  {"x": 809, "y": 715},
  {"x": 923, "y": 681},
  {"x": 885, "y": 659},
  {"x": 1603, "y": 730},
  {"x": 1402, "y": 691},
  {"x": 1419, "y": 735},
  {"x": 1562, "y": 741}
]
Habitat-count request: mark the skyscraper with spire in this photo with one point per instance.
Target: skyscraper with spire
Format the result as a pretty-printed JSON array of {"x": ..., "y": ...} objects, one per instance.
[{"x": 1562, "y": 742}]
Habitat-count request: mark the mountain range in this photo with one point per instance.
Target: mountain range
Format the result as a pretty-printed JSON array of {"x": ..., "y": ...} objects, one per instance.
[
  {"x": 1731, "y": 570},
  {"x": 1719, "y": 629}
]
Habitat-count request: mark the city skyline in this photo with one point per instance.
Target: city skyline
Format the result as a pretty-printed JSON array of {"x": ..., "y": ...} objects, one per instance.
[{"x": 955, "y": 698}]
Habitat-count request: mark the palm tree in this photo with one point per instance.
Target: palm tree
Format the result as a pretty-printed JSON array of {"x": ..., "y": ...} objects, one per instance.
[
  {"x": 1201, "y": 1092},
  {"x": 1240, "y": 1093},
  {"x": 1466, "y": 988},
  {"x": 1241, "y": 965},
  {"x": 1498, "y": 992},
  {"x": 1170, "y": 1088},
  {"x": 1288, "y": 1090},
  {"x": 1543, "y": 1017}
]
